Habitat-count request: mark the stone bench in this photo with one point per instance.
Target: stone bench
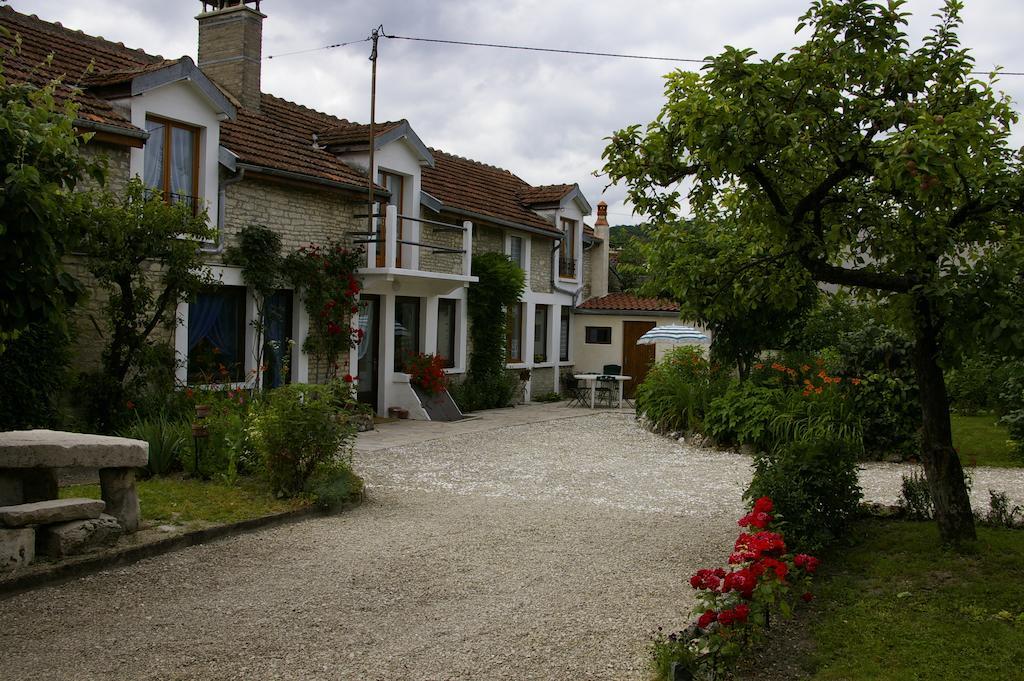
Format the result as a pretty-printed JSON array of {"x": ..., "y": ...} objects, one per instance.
[{"x": 29, "y": 460}]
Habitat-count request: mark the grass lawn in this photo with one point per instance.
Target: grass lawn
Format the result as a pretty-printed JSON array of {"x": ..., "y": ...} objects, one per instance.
[
  {"x": 898, "y": 606},
  {"x": 180, "y": 500},
  {"x": 981, "y": 441}
]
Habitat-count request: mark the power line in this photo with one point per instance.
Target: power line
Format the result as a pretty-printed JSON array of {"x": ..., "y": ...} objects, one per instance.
[
  {"x": 317, "y": 49},
  {"x": 546, "y": 49},
  {"x": 528, "y": 48}
]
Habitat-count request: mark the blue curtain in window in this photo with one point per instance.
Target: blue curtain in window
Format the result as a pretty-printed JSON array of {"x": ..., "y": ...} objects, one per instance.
[{"x": 206, "y": 320}]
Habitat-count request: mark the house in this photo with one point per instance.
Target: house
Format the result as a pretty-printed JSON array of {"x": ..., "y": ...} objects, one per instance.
[{"x": 204, "y": 132}]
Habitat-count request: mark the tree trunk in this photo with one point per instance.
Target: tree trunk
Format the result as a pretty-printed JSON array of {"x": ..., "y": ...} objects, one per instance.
[{"x": 941, "y": 463}]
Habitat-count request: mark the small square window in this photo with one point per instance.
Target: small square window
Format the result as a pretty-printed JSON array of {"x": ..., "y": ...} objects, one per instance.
[{"x": 599, "y": 335}]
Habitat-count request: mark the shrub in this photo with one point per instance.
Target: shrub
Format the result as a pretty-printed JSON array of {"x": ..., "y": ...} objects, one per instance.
[
  {"x": 981, "y": 383},
  {"x": 915, "y": 497},
  {"x": 548, "y": 397},
  {"x": 888, "y": 402},
  {"x": 815, "y": 489},
  {"x": 1000, "y": 513},
  {"x": 498, "y": 391},
  {"x": 334, "y": 484},
  {"x": 765, "y": 579},
  {"x": 296, "y": 431},
  {"x": 678, "y": 390},
  {"x": 34, "y": 371},
  {"x": 169, "y": 441},
  {"x": 743, "y": 414}
]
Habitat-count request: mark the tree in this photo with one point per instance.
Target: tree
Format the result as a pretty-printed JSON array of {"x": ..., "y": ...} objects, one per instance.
[
  {"x": 41, "y": 165},
  {"x": 860, "y": 162},
  {"x": 145, "y": 254}
]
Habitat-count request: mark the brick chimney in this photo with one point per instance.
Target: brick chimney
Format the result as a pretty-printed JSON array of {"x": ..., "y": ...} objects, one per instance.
[
  {"x": 231, "y": 46},
  {"x": 599, "y": 263}
]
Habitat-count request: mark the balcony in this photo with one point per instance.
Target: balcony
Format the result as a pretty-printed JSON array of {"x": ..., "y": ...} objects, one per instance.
[
  {"x": 567, "y": 268},
  {"x": 193, "y": 202},
  {"x": 436, "y": 258}
]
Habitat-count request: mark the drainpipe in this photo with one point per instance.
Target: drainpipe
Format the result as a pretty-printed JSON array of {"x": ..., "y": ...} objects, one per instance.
[{"x": 222, "y": 199}]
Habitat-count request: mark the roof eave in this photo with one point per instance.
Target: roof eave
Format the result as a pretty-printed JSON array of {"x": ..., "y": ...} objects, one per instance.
[
  {"x": 629, "y": 313},
  {"x": 548, "y": 232},
  {"x": 186, "y": 70},
  {"x": 310, "y": 179}
]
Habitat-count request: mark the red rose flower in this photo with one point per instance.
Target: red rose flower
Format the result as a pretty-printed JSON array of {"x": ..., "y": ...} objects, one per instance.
[
  {"x": 764, "y": 505},
  {"x": 807, "y": 596},
  {"x": 742, "y": 612},
  {"x": 705, "y": 620},
  {"x": 348, "y": 378}
]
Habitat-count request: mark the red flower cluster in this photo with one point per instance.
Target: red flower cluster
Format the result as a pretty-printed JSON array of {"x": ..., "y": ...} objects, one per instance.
[
  {"x": 737, "y": 615},
  {"x": 760, "y": 516},
  {"x": 708, "y": 579},
  {"x": 427, "y": 371},
  {"x": 750, "y": 547},
  {"x": 806, "y": 563}
]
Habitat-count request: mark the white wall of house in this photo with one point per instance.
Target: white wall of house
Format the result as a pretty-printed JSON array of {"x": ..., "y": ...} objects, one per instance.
[
  {"x": 591, "y": 357},
  {"x": 398, "y": 157},
  {"x": 181, "y": 102}
]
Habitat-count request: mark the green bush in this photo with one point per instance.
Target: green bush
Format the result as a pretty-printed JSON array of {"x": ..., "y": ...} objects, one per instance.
[
  {"x": 334, "y": 484},
  {"x": 496, "y": 392},
  {"x": 678, "y": 390},
  {"x": 979, "y": 384},
  {"x": 888, "y": 403},
  {"x": 295, "y": 431},
  {"x": 33, "y": 372},
  {"x": 744, "y": 414},
  {"x": 814, "y": 487},
  {"x": 827, "y": 417},
  {"x": 1012, "y": 404},
  {"x": 169, "y": 442}
]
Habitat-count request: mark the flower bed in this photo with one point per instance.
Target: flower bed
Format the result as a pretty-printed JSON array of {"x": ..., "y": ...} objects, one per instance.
[{"x": 735, "y": 605}]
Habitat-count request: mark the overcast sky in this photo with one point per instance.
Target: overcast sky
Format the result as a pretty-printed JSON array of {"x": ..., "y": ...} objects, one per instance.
[{"x": 542, "y": 116}]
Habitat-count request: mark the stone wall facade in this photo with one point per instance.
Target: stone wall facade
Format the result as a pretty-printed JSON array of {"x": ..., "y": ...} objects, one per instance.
[
  {"x": 118, "y": 165},
  {"x": 487, "y": 240},
  {"x": 542, "y": 381},
  {"x": 447, "y": 263},
  {"x": 300, "y": 215},
  {"x": 540, "y": 264}
]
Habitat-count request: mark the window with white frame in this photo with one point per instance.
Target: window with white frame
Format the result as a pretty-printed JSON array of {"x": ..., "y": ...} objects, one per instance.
[
  {"x": 216, "y": 336},
  {"x": 563, "y": 335},
  {"x": 514, "y": 333},
  {"x": 516, "y": 252},
  {"x": 447, "y": 330},
  {"x": 540, "y": 333}
]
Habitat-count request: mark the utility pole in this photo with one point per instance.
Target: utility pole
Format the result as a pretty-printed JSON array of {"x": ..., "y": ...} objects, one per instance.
[{"x": 373, "y": 113}]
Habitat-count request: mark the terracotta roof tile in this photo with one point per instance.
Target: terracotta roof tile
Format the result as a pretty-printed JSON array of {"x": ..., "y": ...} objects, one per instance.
[
  {"x": 480, "y": 188},
  {"x": 280, "y": 136},
  {"x": 76, "y": 57},
  {"x": 629, "y": 303},
  {"x": 544, "y": 194}
]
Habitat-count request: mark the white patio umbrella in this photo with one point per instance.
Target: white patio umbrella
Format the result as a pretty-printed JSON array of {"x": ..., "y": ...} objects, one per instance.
[{"x": 673, "y": 334}]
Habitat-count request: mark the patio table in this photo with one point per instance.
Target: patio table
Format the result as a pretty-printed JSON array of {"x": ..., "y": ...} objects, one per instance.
[{"x": 592, "y": 379}]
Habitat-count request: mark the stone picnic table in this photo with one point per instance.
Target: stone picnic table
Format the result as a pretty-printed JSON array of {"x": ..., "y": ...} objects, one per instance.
[{"x": 30, "y": 459}]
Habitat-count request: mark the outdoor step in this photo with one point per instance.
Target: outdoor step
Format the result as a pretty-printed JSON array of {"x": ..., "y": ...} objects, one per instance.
[
  {"x": 52, "y": 511},
  {"x": 57, "y": 449},
  {"x": 81, "y": 536}
]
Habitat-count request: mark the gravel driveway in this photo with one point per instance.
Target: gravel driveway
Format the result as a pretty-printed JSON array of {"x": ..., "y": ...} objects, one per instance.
[{"x": 545, "y": 551}]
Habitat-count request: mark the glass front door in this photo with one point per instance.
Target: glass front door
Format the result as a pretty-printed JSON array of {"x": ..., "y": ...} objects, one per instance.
[{"x": 368, "y": 350}]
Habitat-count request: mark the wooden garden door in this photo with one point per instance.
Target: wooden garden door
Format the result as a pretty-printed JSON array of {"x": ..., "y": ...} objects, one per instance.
[{"x": 636, "y": 359}]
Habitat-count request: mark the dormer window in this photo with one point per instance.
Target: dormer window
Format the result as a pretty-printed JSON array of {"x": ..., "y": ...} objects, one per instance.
[{"x": 172, "y": 161}]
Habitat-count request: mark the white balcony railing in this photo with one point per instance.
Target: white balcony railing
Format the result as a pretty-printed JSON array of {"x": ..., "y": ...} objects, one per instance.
[{"x": 389, "y": 243}]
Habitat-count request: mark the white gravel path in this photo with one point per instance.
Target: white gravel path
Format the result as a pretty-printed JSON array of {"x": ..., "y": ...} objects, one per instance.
[{"x": 545, "y": 551}]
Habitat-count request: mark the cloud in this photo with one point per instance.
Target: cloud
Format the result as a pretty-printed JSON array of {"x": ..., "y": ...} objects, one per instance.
[{"x": 543, "y": 116}]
